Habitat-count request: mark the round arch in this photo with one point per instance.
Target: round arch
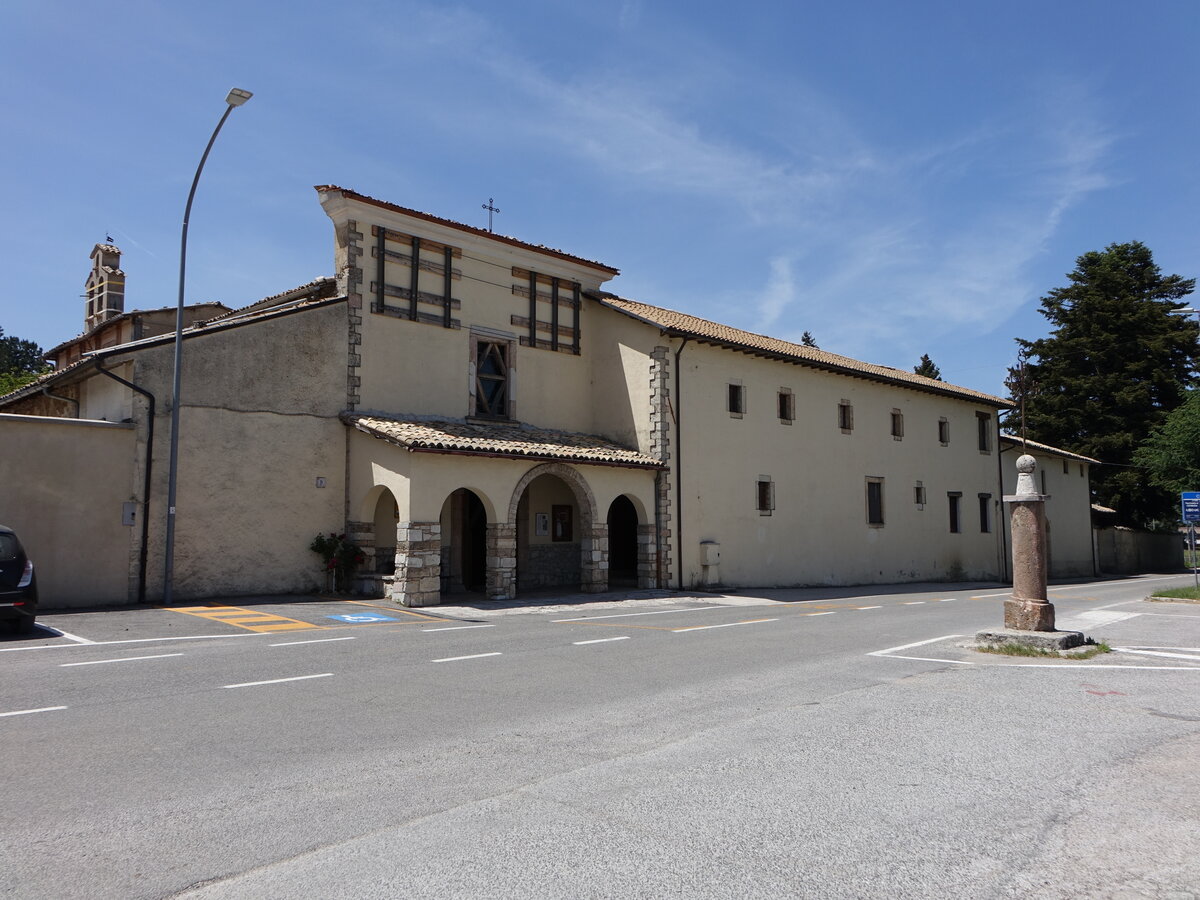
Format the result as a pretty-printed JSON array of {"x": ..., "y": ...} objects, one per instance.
[{"x": 576, "y": 482}]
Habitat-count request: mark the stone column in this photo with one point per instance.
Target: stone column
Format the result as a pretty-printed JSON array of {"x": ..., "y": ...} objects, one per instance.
[
  {"x": 366, "y": 579},
  {"x": 418, "y": 580},
  {"x": 1028, "y": 609},
  {"x": 501, "y": 561},
  {"x": 593, "y": 569}
]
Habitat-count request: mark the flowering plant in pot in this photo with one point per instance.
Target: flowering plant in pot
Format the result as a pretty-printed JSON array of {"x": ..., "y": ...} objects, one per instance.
[{"x": 340, "y": 557}]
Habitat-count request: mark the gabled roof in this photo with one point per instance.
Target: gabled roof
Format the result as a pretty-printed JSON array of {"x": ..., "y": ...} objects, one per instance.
[
  {"x": 120, "y": 318},
  {"x": 684, "y": 325},
  {"x": 470, "y": 229},
  {"x": 428, "y": 435},
  {"x": 1046, "y": 448}
]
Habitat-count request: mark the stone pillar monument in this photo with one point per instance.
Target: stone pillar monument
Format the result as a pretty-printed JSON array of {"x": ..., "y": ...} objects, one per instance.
[{"x": 1028, "y": 609}]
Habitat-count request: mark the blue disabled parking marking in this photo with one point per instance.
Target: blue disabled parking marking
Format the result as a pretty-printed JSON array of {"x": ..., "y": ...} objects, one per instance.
[{"x": 362, "y": 618}]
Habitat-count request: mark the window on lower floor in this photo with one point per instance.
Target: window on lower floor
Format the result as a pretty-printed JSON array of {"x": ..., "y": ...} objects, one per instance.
[
  {"x": 874, "y": 501},
  {"x": 985, "y": 513},
  {"x": 955, "y": 499},
  {"x": 765, "y": 495}
]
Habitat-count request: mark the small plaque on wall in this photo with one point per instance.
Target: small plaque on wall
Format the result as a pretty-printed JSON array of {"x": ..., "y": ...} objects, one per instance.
[
  {"x": 541, "y": 524},
  {"x": 562, "y": 523}
]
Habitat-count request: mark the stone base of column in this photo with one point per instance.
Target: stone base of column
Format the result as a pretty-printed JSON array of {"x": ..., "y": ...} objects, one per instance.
[
  {"x": 1028, "y": 615},
  {"x": 1037, "y": 640}
]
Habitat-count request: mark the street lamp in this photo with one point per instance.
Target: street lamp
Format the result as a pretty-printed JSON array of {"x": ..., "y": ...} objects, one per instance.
[{"x": 236, "y": 97}]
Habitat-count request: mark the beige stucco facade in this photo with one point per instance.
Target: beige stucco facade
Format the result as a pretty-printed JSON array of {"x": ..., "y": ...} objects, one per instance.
[{"x": 477, "y": 414}]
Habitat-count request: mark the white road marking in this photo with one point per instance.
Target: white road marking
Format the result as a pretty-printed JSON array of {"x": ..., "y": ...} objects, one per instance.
[
  {"x": 602, "y": 640},
  {"x": 946, "y": 599},
  {"x": 26, "y": 712},
  {"x": 317, "y": 641},
  {"x": 189, "y": 637},
  {"x": 657, "y": 612},
  {"x": 944, "y": 637},
  {"x": 455, "y": 628},
  {"x": 1157, "y": 653},
  {"x": 727, "y": 624},
  {"x": 868, "y": 607},
  {"x": 957, "y": 662},
  {"x": 830, "y": 613},
  {"x": 472, "y": 656},
  {"x": 70, "y": 637},
  {"x": 1093, "y": 619},
  {"x": 1066, "y": 665},
  {"x": 914, "y": 602},
  {"x": 1090, "y": 586},
  {"x": 278, "y": 680},
  {"x": 97, "y": 662}
]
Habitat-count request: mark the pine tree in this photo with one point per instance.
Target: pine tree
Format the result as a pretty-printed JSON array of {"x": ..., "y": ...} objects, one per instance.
[
  {"x": 1115, "y": 364},
  {"x": 808, "y": 340},
  {"x": 927, "y": 368}
]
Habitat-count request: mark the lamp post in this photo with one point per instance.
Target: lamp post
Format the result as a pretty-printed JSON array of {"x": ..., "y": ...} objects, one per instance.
[{"x": 236, "y": 97}]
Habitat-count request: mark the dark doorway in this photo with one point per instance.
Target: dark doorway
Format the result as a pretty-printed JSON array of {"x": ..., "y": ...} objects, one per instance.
[
  {"x": 622, "y": 543},
  {"x": 464, "y": 543}
]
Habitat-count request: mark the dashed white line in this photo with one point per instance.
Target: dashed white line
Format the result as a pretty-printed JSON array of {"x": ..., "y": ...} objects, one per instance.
[
  {"x": 725, "y": 625},
  {"x": 657, "y": 612},
  {"x": 472, "y": 656},
  {"x": 946, "y": 599},
  {"x": 455, "y": 628},
  {"x": 624, "y": 637},
  {"x": 830, "y": 613},
  {"x": 868, "y": 607},
  {"x": 26, "y": 712},
  {"x": 316, "y": 641},
  {"x": 913, "y": 602},
  {"x": 1191, "y": 656},
  {"x": 278, "y": 680},
  {"x": 97, "y": 662},
  {"x": 956, "y": 662}
]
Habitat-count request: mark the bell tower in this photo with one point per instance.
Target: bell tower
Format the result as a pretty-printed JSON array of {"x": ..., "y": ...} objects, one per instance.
[{"x": 105, "y": 297}]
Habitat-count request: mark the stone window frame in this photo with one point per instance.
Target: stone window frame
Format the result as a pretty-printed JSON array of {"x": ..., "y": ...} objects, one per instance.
[
  {"x": 955, "y": 511},
  {"x": 920, "y": 496},
  {"x": 944, "y": 431},
  {"x": 983, "y": 422},
  {"x": 897, "y": 425},
  {"x": 735, "y": 398},
  {"x": 764, "y": 495},
  {"x": 479, "y": 335},
  {"x": 876, "y": 518},
  {"x": 985, "y": 513},
  {"x": 786, "y": 406},
  {"x": 845, "y": 416}
]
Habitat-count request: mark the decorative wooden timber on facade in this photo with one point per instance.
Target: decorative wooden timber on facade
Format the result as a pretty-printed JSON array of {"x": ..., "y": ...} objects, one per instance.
[
  {"x": 553, "y": 303},
  {"x": 423, "y": 256}
]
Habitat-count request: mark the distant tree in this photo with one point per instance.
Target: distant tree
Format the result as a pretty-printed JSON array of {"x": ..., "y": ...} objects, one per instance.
[
  {"x": 20, "y": 362},
  {"x": 1170, "y": 456},
  {"x": 808, "y": 340},
  {"x": 1114, "y": 366},
  {"x": 927, "y": 368}
]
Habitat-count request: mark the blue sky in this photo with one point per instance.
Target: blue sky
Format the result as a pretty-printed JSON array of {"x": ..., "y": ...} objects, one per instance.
[{"x": 896, "y": 178}]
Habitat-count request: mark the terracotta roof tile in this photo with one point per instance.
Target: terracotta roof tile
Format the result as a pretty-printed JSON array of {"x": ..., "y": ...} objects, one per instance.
[
  {"x": 499, "y": 438},
  {"x": 735, "y": 338}
]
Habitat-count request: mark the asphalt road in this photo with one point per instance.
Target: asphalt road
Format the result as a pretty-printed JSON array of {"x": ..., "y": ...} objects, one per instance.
[{"x": 794, "y": 743}]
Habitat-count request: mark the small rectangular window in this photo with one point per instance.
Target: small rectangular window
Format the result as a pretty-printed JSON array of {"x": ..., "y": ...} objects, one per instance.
[
  {"x": 919, "y": 495},
  {"x": 846, "y": 416},
  {"x": 737, "y": 400},
  {"x": 984, "y": 421},
  {"x": 874, "y": 501},
  {"x": 765, "y": 495},
  {"x": 787, "y": 407},
  {"x": 955, "y": 498},
  {"x": 1066, "y": 467},
  {"x": 943, "y": 431},
  {"x": 897, "y": 424},
  {"x": 985, "y": 513},
  {"x": 1042, "y": 473},
  {"x": 1081, "y": 470},
  {"x": 491, "y": 379}
]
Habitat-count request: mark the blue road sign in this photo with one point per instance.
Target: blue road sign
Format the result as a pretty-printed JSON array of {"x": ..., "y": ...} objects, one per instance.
[
  {"x": 1191, "y": 505},
  {"x": 362, "y": 618}
]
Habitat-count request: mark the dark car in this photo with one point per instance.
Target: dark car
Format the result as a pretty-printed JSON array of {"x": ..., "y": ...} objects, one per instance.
[{"x": 18, "y": 584}]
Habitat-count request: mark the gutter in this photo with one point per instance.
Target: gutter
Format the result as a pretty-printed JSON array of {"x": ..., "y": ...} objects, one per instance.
[{"x": 143, "y": 551}]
